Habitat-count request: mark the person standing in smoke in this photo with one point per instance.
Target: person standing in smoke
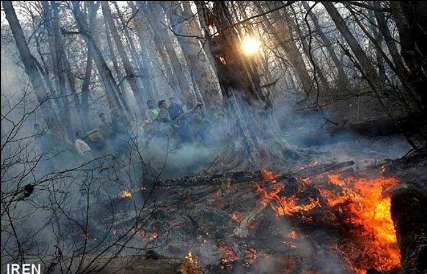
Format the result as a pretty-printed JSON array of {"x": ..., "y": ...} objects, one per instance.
[
  {"x": 174, "y": 109},
  {"x": 180, "y": 123},
  {"x": 162, "y": 124},
  {"x": 163, "y": 112},
  {"x": 152, "y": 112}
]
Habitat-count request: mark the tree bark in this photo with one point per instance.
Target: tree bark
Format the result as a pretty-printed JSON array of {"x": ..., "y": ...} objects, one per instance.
[
  {"x": 293, "y": 25},
  {"x": 200, "y": 72},
  {"x": 363, "y": 60},
  {"x": 105, "y": 74},
  {"x": 144, "y": 74},
  {"x": 56, "y": 62},
  {"x": 411, "y": 24},
  {"x": 329, "y": 47},
  {"x": 145, "y": 64},
  {"x": 410, "y": 220},
  {"x": 283, "y": 37},
  {"x": 163, "y": 40},
  {"x": 30, "y": 64},
  {"x": 130, "y": 76}
]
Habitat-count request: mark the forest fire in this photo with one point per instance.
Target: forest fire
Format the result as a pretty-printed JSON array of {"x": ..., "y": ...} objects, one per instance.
[
  {"x": 214, "y": 136},
  {"x": 360, "y": 204}
]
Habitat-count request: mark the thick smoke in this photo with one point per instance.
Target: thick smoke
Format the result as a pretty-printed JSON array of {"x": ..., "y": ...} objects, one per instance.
[{"x": 76, "y": 198}]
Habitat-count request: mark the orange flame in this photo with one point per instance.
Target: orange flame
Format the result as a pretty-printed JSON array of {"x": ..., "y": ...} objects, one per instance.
[
  {"x": 370, "y": 213},
  {"x": 373, "y": 244},
  {"x": 284, "y": 205}
]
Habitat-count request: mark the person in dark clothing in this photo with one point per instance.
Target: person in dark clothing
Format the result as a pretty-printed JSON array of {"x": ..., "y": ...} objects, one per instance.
[
  {"x": 174, "y": 109},
  {"x": 180, "y": 119},
  {"x": 163, "y": 112}
]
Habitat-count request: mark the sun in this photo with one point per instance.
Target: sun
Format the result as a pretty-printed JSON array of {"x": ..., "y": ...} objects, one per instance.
[{"x": 250, "y": 45}]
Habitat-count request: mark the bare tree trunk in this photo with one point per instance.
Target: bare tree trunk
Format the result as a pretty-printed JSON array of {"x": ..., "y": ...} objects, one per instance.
[
  {"x": 56, "y": 58},
  {"x": 411, "y": 23},
  {"x": 293, "y": 25},
  {"x": 391, "y": 45},
  {"x": 240, "y": 85},
  {"x": 30, "y": 64},
  {"x": 379, "y": 49},
  {"x": 329, "y": 47},
  {"x": 85, "y": 89},
  {"x": 283, "y": 36},
  {"x": 143, "y": 74},
  {"x": 62, "y": 67},
  {"x": 363, "y": 60},
  {"x": 161, "y": 35},
  {"x": 130, "y": 73},
  {"x": 201, "y": 74},
  {"x": 144, "y": 21},
  {"x": 91, "y": 14},
  {"x": 145, "y": 65},
  {"x": 105, "y": 74},
  {"x": 112, "y": 55}
]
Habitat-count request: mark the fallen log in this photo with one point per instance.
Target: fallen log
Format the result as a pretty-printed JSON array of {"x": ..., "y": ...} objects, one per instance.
[
  {"x": 149, "y": 263},
  {"x": 255, "y": 176}
]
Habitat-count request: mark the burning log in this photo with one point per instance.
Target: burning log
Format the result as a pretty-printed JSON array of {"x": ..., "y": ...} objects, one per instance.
[
  {"x": 408, "y": 209},
  {"x": 256, "y": 176},
  {"x": 242, "y": 229},
  {"x": 323, "y": 168}
]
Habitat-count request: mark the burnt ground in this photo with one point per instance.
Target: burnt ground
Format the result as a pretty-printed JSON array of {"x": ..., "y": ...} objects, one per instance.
[{"x": 220, "y": 219}]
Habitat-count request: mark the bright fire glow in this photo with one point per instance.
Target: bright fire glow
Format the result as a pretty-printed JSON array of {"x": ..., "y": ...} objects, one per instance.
[
  {"x": 370, "y": 211},
  {"x": 250, "y": 45},
  {"x": 366, "y": 209}
]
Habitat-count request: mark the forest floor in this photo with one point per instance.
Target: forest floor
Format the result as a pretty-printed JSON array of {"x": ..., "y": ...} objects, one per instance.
[{"x": 311, "y": 218}]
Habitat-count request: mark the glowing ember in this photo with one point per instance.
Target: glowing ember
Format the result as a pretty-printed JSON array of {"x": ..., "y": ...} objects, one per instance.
[
  {"x": 229, "y": 256},
  {"x": 268, "y": 175},
  {"x": 250, "y": 256},
  {"x": 153, "y": 236},
  {"x": 237, "y": 216},
  {"x": 292, "y": 234},
  {"x": 125, "y": 195}
]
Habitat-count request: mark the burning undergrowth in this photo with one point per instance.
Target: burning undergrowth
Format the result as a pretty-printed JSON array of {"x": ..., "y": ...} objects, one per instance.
[
  {"x": 259, "y": 222},
  {"x": 358, "y": 208}
]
